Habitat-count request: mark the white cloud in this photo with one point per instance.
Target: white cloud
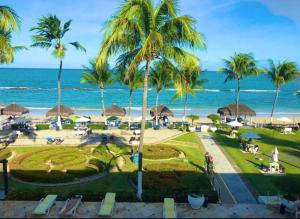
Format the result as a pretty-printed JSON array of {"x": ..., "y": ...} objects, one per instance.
[{"x": 286, "y": 8}]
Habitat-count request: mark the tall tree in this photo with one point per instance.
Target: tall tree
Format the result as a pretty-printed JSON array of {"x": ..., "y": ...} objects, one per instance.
[
  {"x": 98, "y": 76},
  {"x": 161, "y": 78},
  {"x": 237, "y": 67},
  {"x": 50, "y": 32},
  {"x": 140, "y": 33},
  {"x": 9, "y": 22},
  {"x": 282, "y": 73},
  {"x": 134, "y": 81},
  {"x": 186, "y": 81}
]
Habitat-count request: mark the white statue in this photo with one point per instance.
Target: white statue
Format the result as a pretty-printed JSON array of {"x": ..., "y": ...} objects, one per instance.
[{"x": 275, "y": 155}]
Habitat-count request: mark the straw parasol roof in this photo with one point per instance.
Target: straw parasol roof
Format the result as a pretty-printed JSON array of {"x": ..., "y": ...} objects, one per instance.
[
  {"x": 64, "y": 111},
  {"x": 115, "y": 110},
  {"x": 230, "y": 110},
  {"x": 14, "y": 110},
  {"x": 161, "y": 111}
]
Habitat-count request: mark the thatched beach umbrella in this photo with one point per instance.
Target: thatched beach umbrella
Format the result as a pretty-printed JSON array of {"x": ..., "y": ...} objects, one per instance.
[
  {"x": 115, "y": 110},
  {"x": 161, "y": 111},
  {"x": 64, "y": 111},
  {"x": 14, "y": 110},
  {"x": 230, "y": 110}
]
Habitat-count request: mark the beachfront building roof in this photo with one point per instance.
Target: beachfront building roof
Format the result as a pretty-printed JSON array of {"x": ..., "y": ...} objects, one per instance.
[
  {"x": 64, "y": 111},
  {"x": 230, "y": 110},
  {"x": 115, "y": 110},
  {"x": 14, "y": 110},
  {"x": 161, "y": 111}
]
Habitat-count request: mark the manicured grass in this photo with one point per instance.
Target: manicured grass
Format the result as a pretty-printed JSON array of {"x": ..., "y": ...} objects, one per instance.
[
  {"x": 289, "y": 156},
  {"x": 188, "y": 137},
  {"x": 186, "y": 174}
]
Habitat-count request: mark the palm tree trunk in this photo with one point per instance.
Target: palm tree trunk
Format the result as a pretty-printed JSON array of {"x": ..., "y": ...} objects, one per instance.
[
  {"x": 238, "y": 98},
  {"x": 275, "y": 102},
  {"x": 129, "y": 108},
  {"x": 156, "y": 105},
  {"x": 59, "y": 95},
  {"x": 184, "y": 109},
  {"x": 144, "y": 114},
  {"x": 102, "y": 100}
]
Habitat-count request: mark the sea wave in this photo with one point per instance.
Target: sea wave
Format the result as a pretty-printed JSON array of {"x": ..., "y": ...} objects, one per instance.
[{"x": 14, "y": 88}]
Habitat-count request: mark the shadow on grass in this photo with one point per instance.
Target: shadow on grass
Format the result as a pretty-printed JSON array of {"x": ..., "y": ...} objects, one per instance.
[{"x": 156, "y": 186}]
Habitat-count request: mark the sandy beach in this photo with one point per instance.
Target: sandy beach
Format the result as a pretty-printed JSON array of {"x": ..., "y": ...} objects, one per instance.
[{"x": 257, "y": 119}]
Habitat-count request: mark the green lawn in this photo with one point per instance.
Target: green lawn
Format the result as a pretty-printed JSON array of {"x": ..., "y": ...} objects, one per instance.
[
  {"x": 288, "y": 146},
  {"x": 176, "y": 177}
]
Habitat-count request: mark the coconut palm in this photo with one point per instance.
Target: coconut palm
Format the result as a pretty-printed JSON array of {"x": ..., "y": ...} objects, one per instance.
[
  {"x": 282, "y": 73},
  {"x": 134, "y": 81},
  {"x": 161, "y": 78},
  {"x": 98, "y": 77},
  {"x": 139, "y": 34},
  {"x": 186, "y": 81},
  {"x": 237, "y": 67},
  {"x": 50, "y": 32},
  {"x": 9, "y": 22}
]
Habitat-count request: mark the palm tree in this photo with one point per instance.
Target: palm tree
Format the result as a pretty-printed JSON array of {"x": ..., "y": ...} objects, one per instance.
[
  {"x": 282, "y": 73},
  {"x": 50, "y": 33},
  {"x": 98, "y": 77},
  {"x": 186, "y": 80},
  {"x": 9, "y": 22},
  {"x": 134, "y": 81},
  {"x": 161, "y": 78},
  {"x": 237, "y": 67},
  {"x": 140, "y": 33}
]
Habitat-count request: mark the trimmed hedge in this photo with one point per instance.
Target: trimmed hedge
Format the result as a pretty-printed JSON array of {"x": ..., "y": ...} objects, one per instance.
[
  {"x": 97, "y": 126},
  {"x": 42, "y": 126},
  {"x": 88, "y": 195},
  {"x": 68, "y": 126},
  {"x": 124, "y": 126}
]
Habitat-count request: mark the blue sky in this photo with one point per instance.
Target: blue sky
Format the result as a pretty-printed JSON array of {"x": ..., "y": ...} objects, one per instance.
[{"x": 267, "y": 28}]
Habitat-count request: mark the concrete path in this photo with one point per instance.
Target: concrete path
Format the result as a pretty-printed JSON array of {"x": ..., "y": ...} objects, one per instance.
[{"x": 227, "y": 174}]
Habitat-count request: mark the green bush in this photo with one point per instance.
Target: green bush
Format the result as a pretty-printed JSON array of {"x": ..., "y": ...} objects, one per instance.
[
  {"x": 124, "y": 126},
  {"x": 89, "y": 195},
  {"x": 42, "y": 126},
  {"x": 97, "y": 126},
  {"x": 68, "y": 126},
  {"x": 215, "y": 118}
]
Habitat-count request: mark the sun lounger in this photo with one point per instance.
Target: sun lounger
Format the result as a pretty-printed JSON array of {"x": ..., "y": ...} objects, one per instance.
[
  {"x": 71, "y": 205},
  {"x": 107, "y": 205},
  {"x": 169, "y": 210},
  {"x": 45, "y": 205}
]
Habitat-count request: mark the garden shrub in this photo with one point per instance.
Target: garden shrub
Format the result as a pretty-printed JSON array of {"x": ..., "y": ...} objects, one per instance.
[
  {"x": 124, "y": 126},
  {"x": 89, "y": 195},
  {"x": 215, "y": 118},
  {"x": 97, "y": 126},
  {"x": 42, "y": 126},
  {"x": 68, "y": 126}
]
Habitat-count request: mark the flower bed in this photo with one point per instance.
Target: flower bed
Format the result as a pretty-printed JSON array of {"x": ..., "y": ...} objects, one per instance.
[{"x": 56, "y": 165}]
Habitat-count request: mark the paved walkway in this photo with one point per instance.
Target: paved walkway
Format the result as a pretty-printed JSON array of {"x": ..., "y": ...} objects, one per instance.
[{"x": 226, "y": 173}]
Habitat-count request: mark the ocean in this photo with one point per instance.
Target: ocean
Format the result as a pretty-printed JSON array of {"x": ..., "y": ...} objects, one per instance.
[{"x": 37, "y": 90}]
